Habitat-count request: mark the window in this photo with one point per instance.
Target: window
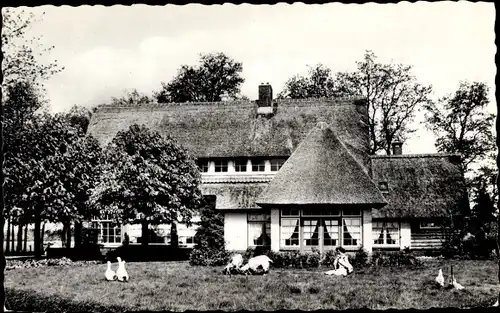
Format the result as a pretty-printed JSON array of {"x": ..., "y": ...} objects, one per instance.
[
  {"x": 429, "y": 225},
  {"x": 385, "y": 233},
  {"x": 240, "y": 165},
  {"x": 383, "y": 186},
  {"x": 323, "y": 228},
  {"x": 276, "y": 164},
  {"x": 107, "y": 232},
  {"x": 203, "y": 165},
  {"x": 221, "y": 166},
  {"x": 259, "y": 229},
  {"x": 258, "y": 165},
  {"x": 290, "y": 228},
  {"x": 351, "y": 231},
  {"x": 311, "y": 232},
  {"x": 331, "y": 233}
]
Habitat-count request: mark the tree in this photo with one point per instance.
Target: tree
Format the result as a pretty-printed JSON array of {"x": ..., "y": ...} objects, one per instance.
[
  {"x": 216, "y": 77},
  {"x": 147, "y": 179},
  {"x": 461, "y": 123},
  {"x": 131, "y": 97},
  {"x": 319, "y": 84},
  {"x": 210, "y": 233},
  {"x": 19, "y": 62},
  {"x": 393, "y": 96}
]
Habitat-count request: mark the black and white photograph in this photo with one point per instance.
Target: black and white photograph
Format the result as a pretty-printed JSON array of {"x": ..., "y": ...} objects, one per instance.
[{"x": 249, "y": 157}]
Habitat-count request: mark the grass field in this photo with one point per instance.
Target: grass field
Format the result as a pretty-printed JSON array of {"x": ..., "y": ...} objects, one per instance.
[{"x": 177, "y": 286}]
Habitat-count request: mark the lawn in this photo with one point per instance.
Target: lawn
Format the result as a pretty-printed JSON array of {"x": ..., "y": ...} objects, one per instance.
[{"x": 177, "y": 286}]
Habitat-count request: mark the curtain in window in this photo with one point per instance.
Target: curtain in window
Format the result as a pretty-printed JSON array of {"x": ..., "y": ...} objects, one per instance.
[
  {"x": 332, "y": 230},
  {"x": 310, "y": 229},
  {"x": 290, "y": 231},
  {"x": 254, "y": 232}
]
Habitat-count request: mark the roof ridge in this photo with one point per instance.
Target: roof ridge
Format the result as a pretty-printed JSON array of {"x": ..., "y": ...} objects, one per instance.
[
  {"x": 173, "y": 104},
  {"x": 415, "y": 155},
  {"x": 311, "y": 99}
]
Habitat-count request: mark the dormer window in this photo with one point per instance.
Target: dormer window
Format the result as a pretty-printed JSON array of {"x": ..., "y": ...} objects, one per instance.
[
  {"x": 383, "y": 186},
  {"x": 258, "y": 166},
  {"x": 203, "y": 165},
  {"x": 276, "y": 164},
  {"x": 221, "y": 166},
  {"x": 240, "y": 165}
]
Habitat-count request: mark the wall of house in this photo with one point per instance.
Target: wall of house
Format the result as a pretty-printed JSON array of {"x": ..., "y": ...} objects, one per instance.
[
  {"x": 275, "y": 230},
  {"x": 366, "y": 230},
  {"x": 422, "y": 239},
  {"x": 235, "y": 231}
]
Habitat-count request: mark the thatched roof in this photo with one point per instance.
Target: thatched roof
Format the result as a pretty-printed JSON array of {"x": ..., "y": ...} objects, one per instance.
[
  {"x": 419, "y": 186},
  {"x": 234, "y": 196},
  {"x": 321, "y": 171},
  {"x": 232, "y": 128}
]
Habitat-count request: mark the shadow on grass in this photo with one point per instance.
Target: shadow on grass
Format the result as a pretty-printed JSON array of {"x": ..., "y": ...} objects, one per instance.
[{"x": 23, "y": 300}]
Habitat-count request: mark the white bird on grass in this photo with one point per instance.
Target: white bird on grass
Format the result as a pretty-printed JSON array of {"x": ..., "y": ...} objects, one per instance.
[
  {"x": 440, "y": 278},
  {"x": 110, "y": 274},
  {"x": 121, "y": 272},
  {"x": 456, "y": 285}
]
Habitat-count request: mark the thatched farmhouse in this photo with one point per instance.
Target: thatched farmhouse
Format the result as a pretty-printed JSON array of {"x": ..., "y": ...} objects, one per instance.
[{"x": 297, "y": 174}]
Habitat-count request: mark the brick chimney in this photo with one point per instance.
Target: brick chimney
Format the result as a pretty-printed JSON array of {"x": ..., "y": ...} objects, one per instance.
[
  {"x": 397, "y": 148},
  {"x": 265, "y": 105},
  {"x": 265, "y": 95}
]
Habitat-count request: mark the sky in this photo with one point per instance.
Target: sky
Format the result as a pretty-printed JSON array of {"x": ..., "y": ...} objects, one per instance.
[{"x": 106, "y": 50}]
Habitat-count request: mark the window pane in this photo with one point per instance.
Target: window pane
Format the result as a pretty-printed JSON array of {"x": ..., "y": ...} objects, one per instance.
[
  {"x": 276, "y": 164},
  {"x": 221, "y": 166},
  {"x": 351, "y": 212},
  {"x": 240, "y": 165},
  {"x": 351, "y": 231},
  {"x": 331, "y": 232},
  {"x": 263, "y": 217},
  {"x": 290, "y": 232},
  {"x": 258, "y": 165},
  {"x": 290, "y": 212},
  {"x": 203, "y": 165}
]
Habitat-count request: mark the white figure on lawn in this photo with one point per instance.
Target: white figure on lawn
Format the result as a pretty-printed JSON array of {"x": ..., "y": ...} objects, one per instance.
[
  {"x": 257, "y": 265},
  {"x": 121, "y": 272},
  {"x": 235, "y": 264},
  {"x": 341, "y": 264},
  {"x": 110, "y": 274}
]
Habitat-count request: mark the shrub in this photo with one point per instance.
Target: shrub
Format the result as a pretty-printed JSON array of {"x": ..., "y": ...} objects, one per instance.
[
  {"x": 328, "y": 258},
  {"x": 399, "y": 258},
  {"x": 209, "y": 257},
  {"x": 360, "y": 258}
]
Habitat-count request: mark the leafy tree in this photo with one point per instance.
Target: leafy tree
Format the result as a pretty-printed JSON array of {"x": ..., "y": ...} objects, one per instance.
[
  {"x": 131, "y": 97},
  {"x": 35, "y": 175},
  {"x": 19, "y": 62},
  {"x": 461, "y": 123},
  {"x": 148, "y": 179},
  {"x": 393, "y": 96},
  {"x": 216, "y": 77},
  {"x": 79, "y": 117},
  {"x": 319, "y": 84}
]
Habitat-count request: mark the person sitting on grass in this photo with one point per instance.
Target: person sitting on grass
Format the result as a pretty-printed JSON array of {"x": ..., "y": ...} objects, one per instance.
[{"x": 341, "y": 264}]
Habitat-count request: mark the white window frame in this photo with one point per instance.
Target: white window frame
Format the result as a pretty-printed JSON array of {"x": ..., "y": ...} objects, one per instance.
[
  {"x": 100, "y": 232},
  {"x": 259, "y": 164},
  {"x": 276, "y": 164},
  {"x": 222, "y": 164},
  {"x": 239, "y": 164},
  {"x": 263, "y": 220},
  {"x": 384, "y": 229}
]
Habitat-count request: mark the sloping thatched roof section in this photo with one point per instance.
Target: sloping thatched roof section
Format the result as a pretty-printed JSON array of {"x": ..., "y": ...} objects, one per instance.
[
  {"x": 234, "y": 196},
  {"x": 230, "y": 129},
  {"x": 420, "y": 186},
  {"x": 321, "y": 171}
]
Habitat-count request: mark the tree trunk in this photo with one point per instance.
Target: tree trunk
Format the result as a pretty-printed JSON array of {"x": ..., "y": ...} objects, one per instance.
[
  {"x": 19, "y": 246},
  {"x": 63, "y": 234},
  {"x": 42, "y": 237},
  {"x": 25, "y": 248},
  {"x": 12, "y": 239},
  {"x": 36, "y": 235},
  {"x": 145, "y": 234},
  {"x": 498, "y": 188},
  {"x": 78, "y": 234},
  {"x": 7, "y": 240},
  {"x": 68, "y": 236},
  {"x": 174, "y": 239}
]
